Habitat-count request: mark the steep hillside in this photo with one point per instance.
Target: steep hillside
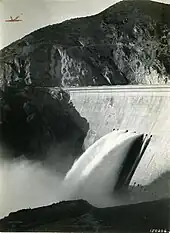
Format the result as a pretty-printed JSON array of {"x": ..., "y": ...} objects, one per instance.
[
  {"x": 128, "y": 43},
  {"x": 35, "y": 121}
]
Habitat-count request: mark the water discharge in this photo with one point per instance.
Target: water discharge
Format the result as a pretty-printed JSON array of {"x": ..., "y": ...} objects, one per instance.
[
  {"x": 92, "y": 177},
  {"x": 25, "y": 184}
]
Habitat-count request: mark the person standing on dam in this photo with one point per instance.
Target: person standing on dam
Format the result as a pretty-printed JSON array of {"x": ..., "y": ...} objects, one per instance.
[{"x": 166, "y": 80}]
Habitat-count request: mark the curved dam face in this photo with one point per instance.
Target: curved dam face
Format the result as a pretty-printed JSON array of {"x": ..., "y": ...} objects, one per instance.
[{"x": 144, "y": 109}]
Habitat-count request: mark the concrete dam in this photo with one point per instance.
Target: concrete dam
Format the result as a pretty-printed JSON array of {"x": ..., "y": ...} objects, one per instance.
[
  {"x": 143, "y": 109},
  {"x": 93, "y": 176}
]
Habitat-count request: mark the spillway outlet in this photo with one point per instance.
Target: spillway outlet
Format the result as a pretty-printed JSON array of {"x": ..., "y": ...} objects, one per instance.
[{"x": 131, "y": 161}]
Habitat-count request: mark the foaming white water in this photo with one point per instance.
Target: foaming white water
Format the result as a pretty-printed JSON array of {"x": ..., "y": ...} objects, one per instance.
[
  {"x": 25, "y": 184},
  {"x": 94, "y": 175}
]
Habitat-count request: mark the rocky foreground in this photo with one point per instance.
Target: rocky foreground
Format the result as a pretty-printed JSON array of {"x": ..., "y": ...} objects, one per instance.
[
  {"x": 128, "y": 43},
  {"x": 79, "y": 216}
]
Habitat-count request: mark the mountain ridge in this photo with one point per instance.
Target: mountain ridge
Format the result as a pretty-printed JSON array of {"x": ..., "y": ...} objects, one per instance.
[{"x": 128, "y": 43}]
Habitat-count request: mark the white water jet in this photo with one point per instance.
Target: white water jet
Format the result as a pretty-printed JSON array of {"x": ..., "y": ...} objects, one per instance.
[{"x": 94, "y": 175}]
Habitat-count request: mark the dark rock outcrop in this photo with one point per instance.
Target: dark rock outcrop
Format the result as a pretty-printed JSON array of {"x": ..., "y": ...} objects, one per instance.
[
  {"x": 33, "y": 121},
  {"x": 80, "y": 216},
  {"x": 128, "y": 43}
]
